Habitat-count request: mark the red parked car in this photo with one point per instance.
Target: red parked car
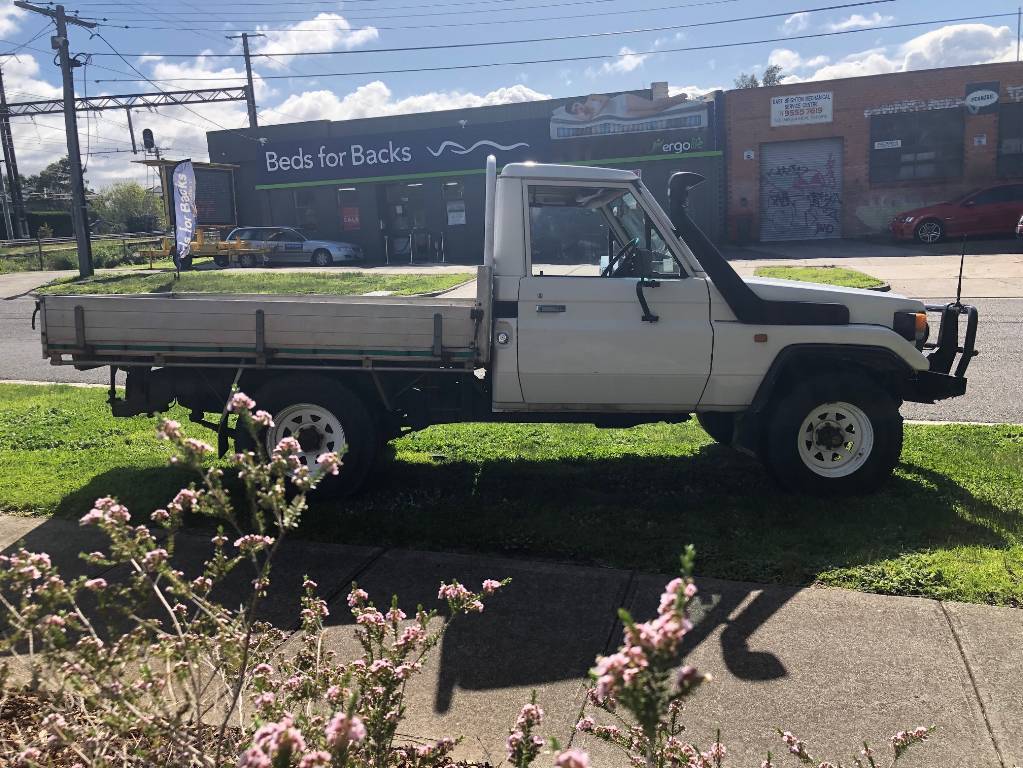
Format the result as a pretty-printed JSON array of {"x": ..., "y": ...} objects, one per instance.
[{"x": 989, "y": 211}]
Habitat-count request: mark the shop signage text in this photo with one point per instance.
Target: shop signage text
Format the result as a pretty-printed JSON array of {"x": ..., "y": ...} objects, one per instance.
[{"x": 802, "y": 109}]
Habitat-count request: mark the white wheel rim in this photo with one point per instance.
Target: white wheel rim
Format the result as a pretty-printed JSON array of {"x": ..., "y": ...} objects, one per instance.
[
  {"x": 835, "y": 439},
  {"x": 930, "y": 232},
  {"x": 317, "y": 430}
]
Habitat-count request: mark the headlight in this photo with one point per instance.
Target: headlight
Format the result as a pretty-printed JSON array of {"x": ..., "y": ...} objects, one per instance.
[{"x": 908, "y": 220}]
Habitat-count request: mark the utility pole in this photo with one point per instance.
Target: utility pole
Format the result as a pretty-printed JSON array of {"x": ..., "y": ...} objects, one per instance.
[
  {"x": 7, "y": 210},
  {"x": 79, "y": 211},
  {"x": 251, "y": 95},
  {"x": 14, "y": 182},
  {"x": 1019, "y": 28}
]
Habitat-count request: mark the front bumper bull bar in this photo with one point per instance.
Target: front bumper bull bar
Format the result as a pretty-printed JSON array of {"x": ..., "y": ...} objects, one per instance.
[{"x": 940, "y": 381}]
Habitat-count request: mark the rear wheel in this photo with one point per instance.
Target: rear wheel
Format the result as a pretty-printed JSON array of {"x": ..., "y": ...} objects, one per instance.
[
  {"x": 221, "y": 261},
  {"x": 836, "y": 434},
  {"x": 718, "y": 424},
  {"x": 322, "y": 258},
  {"x": 323, "y": 416},
  {"x": 246, "y": 260},
  {"x": 929, "y": 231}
]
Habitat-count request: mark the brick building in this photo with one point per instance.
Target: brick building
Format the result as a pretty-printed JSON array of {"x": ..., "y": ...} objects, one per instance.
[{"x": 839, "y": 158}]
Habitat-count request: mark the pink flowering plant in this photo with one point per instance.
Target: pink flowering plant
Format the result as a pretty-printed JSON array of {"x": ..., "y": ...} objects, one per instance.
[
  {"x": 636, "y": 701},
  {"x": 146, "y": 668}
]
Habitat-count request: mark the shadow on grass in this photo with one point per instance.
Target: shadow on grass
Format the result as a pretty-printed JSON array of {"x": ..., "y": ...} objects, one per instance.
[{"x": 632, "y": 512}]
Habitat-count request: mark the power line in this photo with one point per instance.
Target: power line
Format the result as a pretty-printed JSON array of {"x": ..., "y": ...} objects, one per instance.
[
  {"x": 597, "y": 57},
  {"x": 489, "y": 22},
  {"x": 555, "y": 38}
]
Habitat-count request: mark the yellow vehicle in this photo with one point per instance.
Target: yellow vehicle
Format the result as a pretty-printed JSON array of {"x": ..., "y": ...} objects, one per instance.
[{"x": 205, "y": 244}]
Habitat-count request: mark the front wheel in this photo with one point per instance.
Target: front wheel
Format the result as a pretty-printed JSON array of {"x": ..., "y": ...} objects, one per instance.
[
  {"x": 929, "y": 232},
  {"x": 322, "y": 258},
  {"x": 837, "y": 434},
  {"x": 323, "y": 416}
]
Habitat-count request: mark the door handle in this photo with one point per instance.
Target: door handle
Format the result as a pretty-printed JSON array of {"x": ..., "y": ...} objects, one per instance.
[{"x": 550, "y": 307}]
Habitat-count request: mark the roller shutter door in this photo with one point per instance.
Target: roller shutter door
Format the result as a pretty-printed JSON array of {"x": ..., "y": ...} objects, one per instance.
[{"x": 801, "y": 190}]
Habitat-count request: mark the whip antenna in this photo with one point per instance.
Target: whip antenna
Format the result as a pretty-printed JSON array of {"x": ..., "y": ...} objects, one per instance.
[{"x": 962, "y": 262}]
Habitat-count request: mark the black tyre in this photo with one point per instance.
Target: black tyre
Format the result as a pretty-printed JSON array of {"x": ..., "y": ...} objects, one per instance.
[
  {"x": 929, "y": 231},
  {"x": 718, "y": 424},
  {"x": 834, "y": 434},
  {"x": 322, "y": 258},
  {"x": 246, "y": 260},
  {"x": 323, "y": 416},
  {"x": 221, "y": 261}
]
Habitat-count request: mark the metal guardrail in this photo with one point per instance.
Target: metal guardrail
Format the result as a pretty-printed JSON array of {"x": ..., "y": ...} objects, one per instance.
[{"x": 35, "y": 248}]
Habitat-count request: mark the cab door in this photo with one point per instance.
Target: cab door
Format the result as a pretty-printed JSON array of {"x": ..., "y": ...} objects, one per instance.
[
  {"x": 585, "y": 342},
  {"x": 287, "y": 247}
]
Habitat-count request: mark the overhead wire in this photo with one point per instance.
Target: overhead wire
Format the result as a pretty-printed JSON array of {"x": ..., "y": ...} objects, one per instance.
[
  {"x": 598, "y": 57},
  {"x": 520, "y": 41}
]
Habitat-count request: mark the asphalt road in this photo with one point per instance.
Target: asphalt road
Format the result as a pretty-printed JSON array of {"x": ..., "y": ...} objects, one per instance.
[{"x": 995, "y": 391}]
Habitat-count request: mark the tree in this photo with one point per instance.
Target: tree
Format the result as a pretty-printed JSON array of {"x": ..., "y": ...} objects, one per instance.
[
  {"x": 128, "y": 207},
  {"x": 772, "y": 76},
  {"x": 51, "y": 187}
]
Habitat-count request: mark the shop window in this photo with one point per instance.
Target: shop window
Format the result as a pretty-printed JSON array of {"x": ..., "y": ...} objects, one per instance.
[
  {"x": 305, "y": 210},
  {"x": 454, "y": 202},
  {"x": 348, "y": 203},
  {"x": 1010, "y": 140},
  {"x": 406, "y": 206},
  {"x": 916, "y": 145}
]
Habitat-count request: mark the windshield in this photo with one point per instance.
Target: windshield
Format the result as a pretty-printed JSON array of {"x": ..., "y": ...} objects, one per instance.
[{"x": 961, "y": 198}]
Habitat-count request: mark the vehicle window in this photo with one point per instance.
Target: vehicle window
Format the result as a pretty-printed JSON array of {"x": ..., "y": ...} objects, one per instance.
[
  {"x": 287, "y": 236},
  {"x": 991, "y": 196},
  {"x": 579, "y": 231},
  {"x": 241, "y": 234}
]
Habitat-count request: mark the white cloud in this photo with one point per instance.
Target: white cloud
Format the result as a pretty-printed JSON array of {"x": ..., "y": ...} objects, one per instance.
[
  {"x": 10, "y": 17},
  {"x": 693, "y": 91},
  {"x": 790, "y": 60},
  {"x": 859, "y": 21},
  {"x": 627, "y": 61},
  {"x": 796, "y": 23},
  {"x": 334, "y": 31},
  {"x": 949, "y": 46},
  {"x": 375, "y": 99}
]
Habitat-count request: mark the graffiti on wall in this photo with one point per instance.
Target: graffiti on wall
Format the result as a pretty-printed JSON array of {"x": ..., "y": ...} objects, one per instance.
[{"x": 802, "y": 200}]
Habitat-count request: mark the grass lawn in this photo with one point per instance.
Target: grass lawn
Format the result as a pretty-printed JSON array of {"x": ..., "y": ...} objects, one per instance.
[
  {"x": 848, "y": 278},
  {"x": 239, "y": 281},
  {"x": 949, "y": 525}
]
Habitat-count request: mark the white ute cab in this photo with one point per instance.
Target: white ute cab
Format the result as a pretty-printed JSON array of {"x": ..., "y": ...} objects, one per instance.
[{"x": 593, "y": 305}]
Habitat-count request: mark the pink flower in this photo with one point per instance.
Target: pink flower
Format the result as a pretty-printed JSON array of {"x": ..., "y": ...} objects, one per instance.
[
  {"x": 690, "y": 590},
  {"x": 344, "y": 730},
  {"x": 264, "y": 700},
  {"x": 329, "y": 463},
  {"x": 490, "y": 586},
  {"x": 513, "y": 742},
  {"x": 262, "y": 670},
  {"x": 280, "y": 738},
  {"x": 96, "y": 584},
  {"x": 530, "y": 715},
  {"x": 288, "y": 445},
  {"x": 154, "y": 558},
  {"x": 253, "y": 542},
  {"x": 254, "y": 757},
  {"x": 239, "y": 401},
  {"x": 333, "y": 694},
  {"x": 315, "y": 759},
  {"x": 585, "y": 725},
  {"x": 169, "y": 430},
  {"x": 357, "y": 597},
  {"x": 106, "y": 510},
  {"x": 28, "y": 756},
  {"x": 263, "y": 419},
  {"x": 198, "y": 446},
  {"x": 718, "y": 751},
  {"x": 453, "y": 592},
  {"x": 572, "y": 758},
  {"x": 395, "y": 615},
  {"x": 372, "y": 618}
]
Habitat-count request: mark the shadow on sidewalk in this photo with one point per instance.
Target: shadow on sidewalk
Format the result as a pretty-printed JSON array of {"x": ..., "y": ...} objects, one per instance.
[{"x": 634, "y": 512}]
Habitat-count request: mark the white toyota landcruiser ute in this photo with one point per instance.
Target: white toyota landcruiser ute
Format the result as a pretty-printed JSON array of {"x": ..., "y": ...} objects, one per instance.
[{"x": 593, "y": 305}]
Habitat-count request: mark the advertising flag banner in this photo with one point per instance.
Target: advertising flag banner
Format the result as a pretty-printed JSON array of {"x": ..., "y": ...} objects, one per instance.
[{"x": 183, "y": 181}]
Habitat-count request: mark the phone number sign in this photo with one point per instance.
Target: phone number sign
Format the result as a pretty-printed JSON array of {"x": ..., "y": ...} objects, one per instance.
[{"x": 801, "y": 109}]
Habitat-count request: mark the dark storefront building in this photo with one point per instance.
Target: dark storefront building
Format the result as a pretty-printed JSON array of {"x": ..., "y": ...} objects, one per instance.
[{"x": 411, "y": 187}]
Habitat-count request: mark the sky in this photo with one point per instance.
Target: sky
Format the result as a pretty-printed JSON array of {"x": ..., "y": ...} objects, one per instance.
[{"x": 612, "y": 45}]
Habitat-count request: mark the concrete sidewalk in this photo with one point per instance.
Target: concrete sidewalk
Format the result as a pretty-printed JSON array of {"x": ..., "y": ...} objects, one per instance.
[{"x": 832, "y": 665}]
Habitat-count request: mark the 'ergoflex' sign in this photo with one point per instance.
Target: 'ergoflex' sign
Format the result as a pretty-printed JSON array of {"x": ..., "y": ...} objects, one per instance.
[{"x": 183, "y": 183}]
